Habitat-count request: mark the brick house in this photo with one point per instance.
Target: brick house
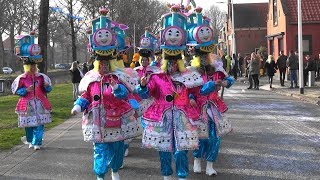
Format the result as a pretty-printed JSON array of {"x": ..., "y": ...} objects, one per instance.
[
  {"x": 282, "y": 26},
  {"x": 250, "y": 26}
]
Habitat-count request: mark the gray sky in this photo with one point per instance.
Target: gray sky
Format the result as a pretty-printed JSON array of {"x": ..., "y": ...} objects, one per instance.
[{"x": 207, "y": 3}]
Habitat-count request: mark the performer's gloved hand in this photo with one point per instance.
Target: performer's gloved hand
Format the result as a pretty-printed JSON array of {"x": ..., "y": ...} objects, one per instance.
[
  {"x": 218, "y": 84},
  {"x": 225, "y": 83},
  {"x": 143, "y": 81},
  {"x": 193, "y": 103},
  {"x": 30, "y": 88},
  {"x": 76, "y": 109},
  {"x": 45, "y": 84},
  {"x": 113, "y": 83}
]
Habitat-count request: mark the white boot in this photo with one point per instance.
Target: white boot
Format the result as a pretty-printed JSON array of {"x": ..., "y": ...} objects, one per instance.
[
  {"x": 115, "y": 176},
  {"x": 126, "y": 152},
  {"x": 197, "y": 165},
  {"x": 100, "y": 178},
  {"x": 36, "y": 147},
  {"x": 209, "y": 170},
  {"x": 24, "y": 140},
  {"x": 30, "y": 146},
  {"x": 166, "y": 177}
]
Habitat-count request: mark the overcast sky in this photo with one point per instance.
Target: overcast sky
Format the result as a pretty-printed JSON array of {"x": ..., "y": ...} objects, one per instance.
[{"x": 207, "y": 3}]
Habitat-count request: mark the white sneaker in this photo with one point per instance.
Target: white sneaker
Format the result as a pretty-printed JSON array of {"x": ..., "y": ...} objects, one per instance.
[
  {"x": 209, "y": 170},
  {"x": 197, "y": 165},
  {"x": 36, "y": 147},
  {"x": 30, "y": 145},
  {"x": 126, "y": 152},
  {"x": 166, "y": 177},
  {"x": 100, "y": 178},
  {"x": 24, "y": 140},
  {"x": 115, "y": 176}
]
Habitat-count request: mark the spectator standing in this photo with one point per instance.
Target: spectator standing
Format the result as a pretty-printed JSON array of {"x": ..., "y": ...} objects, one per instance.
[
  {"x": 317, "y": 64},
  {"x": 254, "y": 67},
  {"x": 228, "y": 64},
  {"x": 293, "y": 64},
  {"x": 240, "y": 59},
  {"x": 85, "y": 68},
  {"x": 76, "y": 76},
  {"x": 282, "y": 65},
  {"x": 310, "y": 66},
  {"x": 270, "y": 67},
  {"x": 235, "y": 66}
]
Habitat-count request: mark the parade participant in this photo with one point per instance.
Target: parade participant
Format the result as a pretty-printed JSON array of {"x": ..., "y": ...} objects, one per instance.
[
  {"x": 108, "y": 117},
  {"x": 170, "y": 119},
  {"x": 33, "y": 107},
  {"x": 212, "y": 107},
  {"x": 201, "y": 38}
]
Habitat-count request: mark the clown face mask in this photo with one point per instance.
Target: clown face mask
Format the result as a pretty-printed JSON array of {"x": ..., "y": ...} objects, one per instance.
[
  {"x": 103, "y": 37},
  {"x": 173, "y": 36},
  {"x": 204, "y": 34}
]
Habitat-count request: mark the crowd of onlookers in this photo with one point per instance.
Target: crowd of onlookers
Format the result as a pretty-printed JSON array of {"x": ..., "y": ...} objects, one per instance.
[{"x": 255, "y": 65}]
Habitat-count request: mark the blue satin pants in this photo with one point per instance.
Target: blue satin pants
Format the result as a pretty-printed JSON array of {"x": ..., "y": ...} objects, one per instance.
[
  {"x": 180, "y": 159},
  {"x": 209, "y": 148},
  {"x": 107, "y": 155},
  {"x": 34, "y": 135}
]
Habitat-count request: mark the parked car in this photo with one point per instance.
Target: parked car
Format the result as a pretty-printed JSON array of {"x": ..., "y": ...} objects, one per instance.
[
  {"x": 61, "y": 66},
  {"x": 7, "y": 70}
]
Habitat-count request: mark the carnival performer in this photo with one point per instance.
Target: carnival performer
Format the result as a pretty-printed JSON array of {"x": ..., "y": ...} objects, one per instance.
[
  {"x": 108, "y": 117},
  {"x": 33, "y": 107},
  {"x": 170, "y": 120},
  {"x": 213, "y": 107}
]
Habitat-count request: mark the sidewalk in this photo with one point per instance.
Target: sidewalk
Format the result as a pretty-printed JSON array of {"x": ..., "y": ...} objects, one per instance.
[{"x": 311, "y": 94}]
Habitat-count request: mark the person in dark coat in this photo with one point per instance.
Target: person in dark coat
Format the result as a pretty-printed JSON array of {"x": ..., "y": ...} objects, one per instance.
[
  {"x": 85, "y": 68},
  {"x": 282, "y": 66},
  {"x": 310, "y": 66},
  {"x": 76, "y": 76},
  {"x": 270, "y": 67}
]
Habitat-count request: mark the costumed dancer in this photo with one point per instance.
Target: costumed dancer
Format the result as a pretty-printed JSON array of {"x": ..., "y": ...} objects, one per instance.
[
  {"x": 211, "y": 105},
  {"x": 171, "y": 120},
  {"x": 33, "y": 107},
  {"x": 147, "y": 47},
  {"x": 108, "y": 117}
]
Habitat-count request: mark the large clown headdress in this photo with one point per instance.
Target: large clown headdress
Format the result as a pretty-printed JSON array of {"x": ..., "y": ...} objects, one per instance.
[
  {"x": 173, "y": 36},
  {"x": 200, "y": 34},
  {"x": 103, "y": 39},
  {"x": 27, "y": 50}
]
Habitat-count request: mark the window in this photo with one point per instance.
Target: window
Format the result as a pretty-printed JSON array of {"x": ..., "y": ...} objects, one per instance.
[
  {"x": 306, "y": 44},
  {"x": 280, "y": 44},
  {"x": 271, "y": 46},
  {"x": 275, "y": 14}
]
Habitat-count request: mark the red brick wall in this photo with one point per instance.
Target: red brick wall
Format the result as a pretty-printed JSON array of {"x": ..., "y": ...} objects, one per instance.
[
  {"x": 248, "y": 40},
  {"x": 307, "y": 29}
]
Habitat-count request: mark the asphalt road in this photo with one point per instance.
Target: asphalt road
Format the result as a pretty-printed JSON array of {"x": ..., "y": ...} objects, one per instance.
[{"x": 274, "y": 137}]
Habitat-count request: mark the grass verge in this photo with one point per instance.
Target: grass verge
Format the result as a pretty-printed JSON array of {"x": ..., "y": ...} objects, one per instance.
[{"x": 61, "y": 102}]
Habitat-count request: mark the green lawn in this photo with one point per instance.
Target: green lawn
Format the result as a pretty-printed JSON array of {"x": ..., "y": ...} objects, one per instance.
[{"x": 61, "y": 101}]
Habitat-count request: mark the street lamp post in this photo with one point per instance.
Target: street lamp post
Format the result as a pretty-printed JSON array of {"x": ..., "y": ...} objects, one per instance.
[
  {"x": 300, "y": 50},
  {"x": 233, "y": 33},
  {"x": 233, "y": 40}
]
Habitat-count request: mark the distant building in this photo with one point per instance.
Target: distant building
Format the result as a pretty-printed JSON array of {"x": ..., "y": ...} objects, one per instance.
[
  {"x": 282, "y": 23},
  {"x": 250, "y": 26}
]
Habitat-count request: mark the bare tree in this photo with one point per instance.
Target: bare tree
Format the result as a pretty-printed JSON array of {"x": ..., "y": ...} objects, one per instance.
[
  {"x": 217, "y": 19},
  {"x": 43, "y": 33},
  {"x": 3, "y": 26}
]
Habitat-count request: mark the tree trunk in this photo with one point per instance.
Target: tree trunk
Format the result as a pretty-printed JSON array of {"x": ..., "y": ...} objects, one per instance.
[
  {"x": 12, "y": 61},
  {"x": 1, "y": 53},
  {"x": 73, "y": 34},
  {"x": 43, "y": 33}
]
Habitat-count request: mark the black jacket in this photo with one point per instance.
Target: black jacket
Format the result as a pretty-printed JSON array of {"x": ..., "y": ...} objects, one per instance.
[{"x": 75, "y": 76}]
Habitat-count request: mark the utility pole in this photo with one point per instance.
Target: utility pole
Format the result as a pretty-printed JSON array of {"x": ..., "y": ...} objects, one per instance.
[{"x": 300, "y": 49}]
